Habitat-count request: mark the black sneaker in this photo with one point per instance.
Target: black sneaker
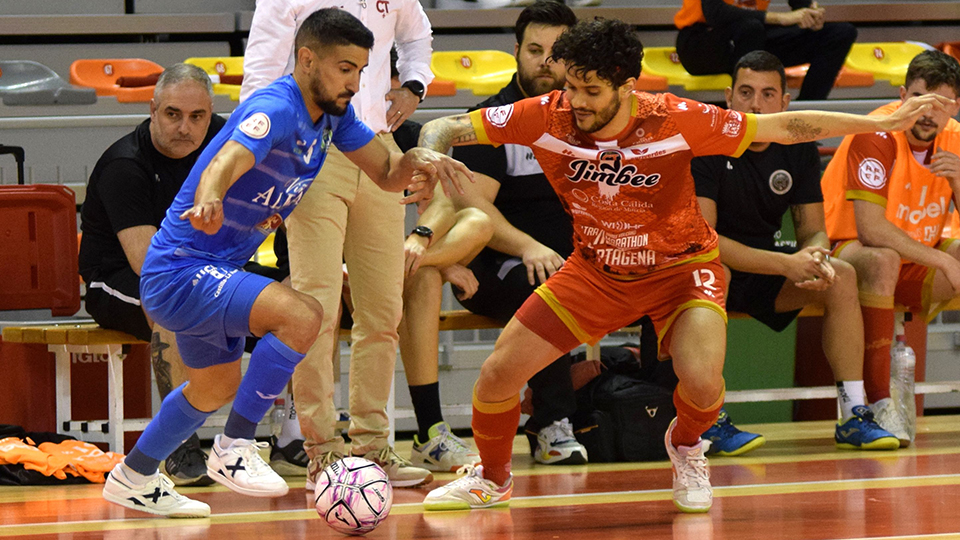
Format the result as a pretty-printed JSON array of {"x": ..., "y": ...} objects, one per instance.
[
  {"x": 187, "y": 465},
  {"x": 289, "y": 460}
]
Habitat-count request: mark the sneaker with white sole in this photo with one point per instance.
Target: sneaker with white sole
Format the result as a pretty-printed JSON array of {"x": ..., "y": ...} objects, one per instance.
[
  {"x": 240, "y": 468},
  {"x": 556, "y": 445},
  {"x": 443, "y": 451},
  {"x": 692, "y": 492},
  {"x": 469, "y": 491},
  {"x": 889, "y": 417},
  {"x": 317, "y": 465},
  {"x": 156, "y": 496},
  {"x": 402, "y": 473}
]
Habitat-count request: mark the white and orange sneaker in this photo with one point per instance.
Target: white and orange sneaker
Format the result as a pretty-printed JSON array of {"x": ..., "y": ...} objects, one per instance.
[
  {"x": 469, "y": 491},
  {"x": 692, "y": 492}
]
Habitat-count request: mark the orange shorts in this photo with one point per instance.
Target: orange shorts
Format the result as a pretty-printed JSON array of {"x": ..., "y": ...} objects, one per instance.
[
  {"x": 915, "y": 283},
  {"x": 580, "y": 304}
]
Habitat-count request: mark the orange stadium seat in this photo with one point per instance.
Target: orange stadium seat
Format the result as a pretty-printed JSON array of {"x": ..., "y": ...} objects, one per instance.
[
  {"x": 129, "y": 79},
  {"x": 664, "y": 62},
  {"x": 482, "y": 72},
  {"x": 952, "y": 48},
  {"x": 441, "y": 87},
  {"x": 845, "y": 79},
  {"x": 226, "y": 72},
  {"x": 885, "y": 61}
]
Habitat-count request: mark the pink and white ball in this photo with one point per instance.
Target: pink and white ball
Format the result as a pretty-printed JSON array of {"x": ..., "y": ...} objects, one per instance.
[{"x": 353, "y": 495}]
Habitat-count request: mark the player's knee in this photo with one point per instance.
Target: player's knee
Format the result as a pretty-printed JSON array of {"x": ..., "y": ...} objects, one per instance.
[
  {"x": 880, "y": 268},
  {"x": 424, "y": 281},
  {"x": 846, "y": 280},
  {"x": 478, "y": 223},
  {"x": 312, "y": 318}
]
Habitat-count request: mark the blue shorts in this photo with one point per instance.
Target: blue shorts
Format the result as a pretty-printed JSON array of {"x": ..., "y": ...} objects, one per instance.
[{"x": 207, "y": 305}]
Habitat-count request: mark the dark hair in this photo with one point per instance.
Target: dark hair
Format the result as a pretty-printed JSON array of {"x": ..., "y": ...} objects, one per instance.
[
  {"x": 546, "y": 12},
  {"x": 610, "y": 47},
  {"x": 333, "y": 26},
  {"x": 760, "y": 61},
  {"x": 936, "y": 68}
]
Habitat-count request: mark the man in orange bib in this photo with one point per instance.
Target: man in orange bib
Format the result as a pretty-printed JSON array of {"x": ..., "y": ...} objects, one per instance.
[
  {"x": 620, "y": 162},
  {"x": 886, "y": 197}
]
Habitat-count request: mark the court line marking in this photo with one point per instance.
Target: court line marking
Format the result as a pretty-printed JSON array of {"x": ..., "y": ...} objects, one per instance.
[{"x": 535, "y": 501}]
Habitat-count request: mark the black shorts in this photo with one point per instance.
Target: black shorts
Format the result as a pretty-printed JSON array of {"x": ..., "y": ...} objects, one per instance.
[
  {"x": 503, "y": 286},
  {"x": 756, "y": 295},
  {"x": 114, "y": 302}
]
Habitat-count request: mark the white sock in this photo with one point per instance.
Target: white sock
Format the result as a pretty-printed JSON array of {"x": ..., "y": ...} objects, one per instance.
[
  {"x": 849, "y": 395},
  {"x": 225, "y": 442},
  {"x": 290, "y": 429},
  {"x": 134, "y": 477}
]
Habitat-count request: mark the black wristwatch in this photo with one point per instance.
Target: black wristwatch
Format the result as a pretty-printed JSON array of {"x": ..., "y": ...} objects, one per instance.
[
  {"x": 416, "y": 87},
  {"x": 420, "y": 230}
]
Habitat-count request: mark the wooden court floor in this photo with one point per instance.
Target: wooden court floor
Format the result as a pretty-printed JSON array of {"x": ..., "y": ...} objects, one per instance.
[{"x": 798, "y": 486}]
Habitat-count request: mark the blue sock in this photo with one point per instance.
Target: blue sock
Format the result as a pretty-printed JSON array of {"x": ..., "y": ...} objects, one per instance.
[
  {"x": 271, "y": 366},
  {"x": 175, "y": 422}
]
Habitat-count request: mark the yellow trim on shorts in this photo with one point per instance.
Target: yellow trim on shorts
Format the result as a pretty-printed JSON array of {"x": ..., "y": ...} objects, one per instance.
[
  {"x": 494, "y": 408},
  {"x": 878, "y": 301},
  {"x": 840, "y": 246},
  {"x": 869, "y": 196},
  {"x": 476, "y": 118},
  {"x": 685, "y": 306},
  {"x": 565, "y": 316},
  {"x": 749, "y": 136},
  {"x": 701, "y": 258}
]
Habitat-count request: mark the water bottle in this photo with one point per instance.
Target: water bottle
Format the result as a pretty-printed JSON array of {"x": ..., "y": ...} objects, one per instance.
[
  {"x": 277, "y": 416},
  {"x": 903, "y": 363}
]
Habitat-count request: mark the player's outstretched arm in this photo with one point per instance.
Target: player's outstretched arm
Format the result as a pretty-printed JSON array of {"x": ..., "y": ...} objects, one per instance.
[
  {"x": 803, "y": 126},
  {"x": 230, "y": 163},
  {"x": 418, "y": 170},
  {"x": 442, "y": 133}
]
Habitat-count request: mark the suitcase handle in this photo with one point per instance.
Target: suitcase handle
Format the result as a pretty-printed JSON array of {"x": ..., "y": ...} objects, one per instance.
[{"x": 17, "y": 152}]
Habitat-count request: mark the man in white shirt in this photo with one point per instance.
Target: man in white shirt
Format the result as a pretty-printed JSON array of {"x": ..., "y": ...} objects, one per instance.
[{"x": 346, "y": 217}]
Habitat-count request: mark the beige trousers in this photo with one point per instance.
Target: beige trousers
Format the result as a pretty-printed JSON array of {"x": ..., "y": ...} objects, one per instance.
[{"x": 345, "y": 216}]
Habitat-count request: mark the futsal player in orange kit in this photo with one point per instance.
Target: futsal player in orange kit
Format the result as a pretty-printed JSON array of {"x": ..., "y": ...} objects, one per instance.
[
  {"x": 620, "y": 162},
  {"x": 886, "y": 196}
]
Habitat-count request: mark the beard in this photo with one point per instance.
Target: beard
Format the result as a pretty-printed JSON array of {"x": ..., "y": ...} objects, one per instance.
[
  {"x": 601, "y": 117},
  {"x": 532, "y": 85},
  {"x": 327, "y": 104},
  {"x": 918, "y": 133}
]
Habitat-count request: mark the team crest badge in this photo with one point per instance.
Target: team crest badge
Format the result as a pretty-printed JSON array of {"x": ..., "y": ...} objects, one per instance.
[
  {"x": 780, "y": 182},
  {"x": 325, "y": 140},
  {"x": 499, "y": 116}
]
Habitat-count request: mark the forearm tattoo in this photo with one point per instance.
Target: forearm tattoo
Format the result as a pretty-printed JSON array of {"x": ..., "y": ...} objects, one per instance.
[
  {"x": 803, "y": 131},
  {"x": 161, "y": 368},
  {"x": 443, "y": 133}
]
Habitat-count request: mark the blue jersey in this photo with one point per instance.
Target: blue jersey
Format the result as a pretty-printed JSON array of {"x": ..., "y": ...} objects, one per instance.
[{"x": 289, "y": 148}]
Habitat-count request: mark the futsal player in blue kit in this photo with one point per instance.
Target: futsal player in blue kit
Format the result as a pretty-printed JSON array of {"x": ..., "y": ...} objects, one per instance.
[{"x": 250, "y": 177}]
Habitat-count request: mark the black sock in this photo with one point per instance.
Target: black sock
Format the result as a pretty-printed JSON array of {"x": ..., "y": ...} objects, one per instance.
[{"x": 426, "y": 405}]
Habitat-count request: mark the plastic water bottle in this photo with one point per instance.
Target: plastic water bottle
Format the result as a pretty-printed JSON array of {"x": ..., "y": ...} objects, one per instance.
[
  {"x": 903, "y": 363},
  {"x": 277, "y": 416}
]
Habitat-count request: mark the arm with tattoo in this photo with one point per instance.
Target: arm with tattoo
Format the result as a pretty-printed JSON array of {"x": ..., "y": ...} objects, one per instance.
[
  {"x": 442, "y": 133},
  {"x": 802, "y": 126}
]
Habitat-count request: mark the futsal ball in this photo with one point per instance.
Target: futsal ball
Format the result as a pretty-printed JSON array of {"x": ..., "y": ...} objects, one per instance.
[{"x": 353, "y": 495}]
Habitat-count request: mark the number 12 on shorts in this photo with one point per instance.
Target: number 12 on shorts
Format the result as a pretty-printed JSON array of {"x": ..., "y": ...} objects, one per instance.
[{"x": 704, "y": 278}]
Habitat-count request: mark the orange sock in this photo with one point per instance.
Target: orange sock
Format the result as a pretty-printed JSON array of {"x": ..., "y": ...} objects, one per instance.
[
  {"x": 692, "y": 421},
  {"x": 494, "y": 427},
  {"x": 877, "y": 336}
]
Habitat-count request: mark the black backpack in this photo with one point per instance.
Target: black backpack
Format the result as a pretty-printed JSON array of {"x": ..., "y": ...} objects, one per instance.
[{"x": 623, "y": 414}]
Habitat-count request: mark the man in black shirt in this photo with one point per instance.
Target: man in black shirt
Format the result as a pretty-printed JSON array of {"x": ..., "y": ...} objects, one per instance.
[
  {"x": 130, "y": 189},
  {"x": 522, "y": 239},
  {"x": 745, "y": 199}
]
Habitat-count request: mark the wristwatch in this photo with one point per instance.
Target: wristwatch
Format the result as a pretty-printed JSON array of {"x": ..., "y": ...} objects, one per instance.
[
  {"x": 416, "y": 87},
  {"x": 420, "y": 230}
]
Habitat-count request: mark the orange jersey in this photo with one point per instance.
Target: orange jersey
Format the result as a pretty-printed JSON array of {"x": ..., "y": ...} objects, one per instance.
[
  {"x": 692, "y": 12},
  {"x": 882, "y": 168},
  {"x": 632, "y": 198}
]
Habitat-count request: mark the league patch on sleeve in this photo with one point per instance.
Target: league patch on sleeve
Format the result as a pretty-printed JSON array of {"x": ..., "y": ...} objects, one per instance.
[
  {"x": 499, "y": 116},
  {"x": 256, "y": 126},
  {"x": 872, "y": 173}
]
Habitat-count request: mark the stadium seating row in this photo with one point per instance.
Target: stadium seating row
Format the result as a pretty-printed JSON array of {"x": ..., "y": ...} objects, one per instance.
[{"x": 483, "y": 72}]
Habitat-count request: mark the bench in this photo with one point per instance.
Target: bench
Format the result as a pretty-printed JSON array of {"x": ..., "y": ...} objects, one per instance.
[{"x": 65, "y": 340}]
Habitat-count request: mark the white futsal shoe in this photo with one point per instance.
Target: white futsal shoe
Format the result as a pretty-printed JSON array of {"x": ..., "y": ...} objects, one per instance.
[
  {"x": 240, "y": 468},
  {"x": 156, "y": 496}
]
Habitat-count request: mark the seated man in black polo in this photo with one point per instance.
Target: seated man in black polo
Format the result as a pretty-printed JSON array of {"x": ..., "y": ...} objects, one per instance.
[{"x": 132, "y": 185}]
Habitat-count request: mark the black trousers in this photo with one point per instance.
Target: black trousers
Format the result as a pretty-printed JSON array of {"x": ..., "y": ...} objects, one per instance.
[
  {"x": 709, "y": 51},
  {"x": 553, "y": 397}
]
